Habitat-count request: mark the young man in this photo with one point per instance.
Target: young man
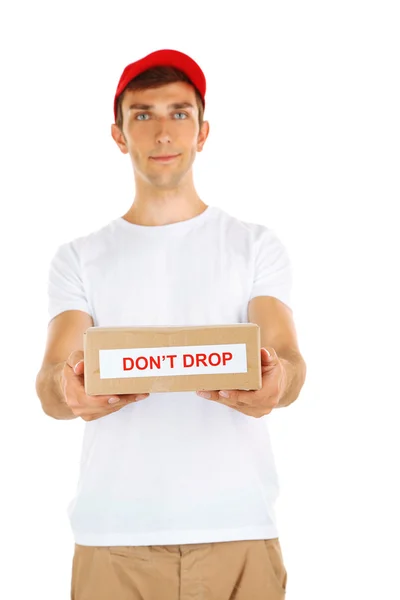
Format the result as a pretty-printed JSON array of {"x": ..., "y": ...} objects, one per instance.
[{"x": 176, "y": 492}]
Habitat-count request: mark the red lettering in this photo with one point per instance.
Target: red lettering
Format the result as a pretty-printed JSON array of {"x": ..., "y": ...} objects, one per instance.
[
  {"x": 201, "y": 358},
  {"x": 171, "y": 357},
  {"x": 225, "y": 357},
  {"x": 146, "y": 363},
  {"x": 154, "y": 362},
  {"x": 186, "y": 357},
  {"x": 126, "y": 367},
  {"x": 218, "y": 359}
]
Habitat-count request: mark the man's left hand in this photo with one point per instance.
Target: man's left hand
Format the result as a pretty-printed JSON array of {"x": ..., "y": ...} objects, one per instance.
[{"x": 256, "y": 403}]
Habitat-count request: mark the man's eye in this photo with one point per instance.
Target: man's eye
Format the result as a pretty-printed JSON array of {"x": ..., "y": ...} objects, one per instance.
[{"x": 146, "y": 115}]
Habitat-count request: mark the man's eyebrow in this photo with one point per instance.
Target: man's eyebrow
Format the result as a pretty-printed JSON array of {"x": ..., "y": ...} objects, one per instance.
[{"x": 137, "y": 106}]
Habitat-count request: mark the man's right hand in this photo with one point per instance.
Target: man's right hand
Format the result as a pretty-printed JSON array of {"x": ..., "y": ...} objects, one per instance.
[{"x": 82, "y": 405}]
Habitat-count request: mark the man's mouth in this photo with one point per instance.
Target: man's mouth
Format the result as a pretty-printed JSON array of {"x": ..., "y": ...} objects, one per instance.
[{"x": 166, "y": 158}]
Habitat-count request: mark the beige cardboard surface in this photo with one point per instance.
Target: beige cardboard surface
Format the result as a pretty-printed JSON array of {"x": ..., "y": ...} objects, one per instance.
[{"x": 234, "y": 337}]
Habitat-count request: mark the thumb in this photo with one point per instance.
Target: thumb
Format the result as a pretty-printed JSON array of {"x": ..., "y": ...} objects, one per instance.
[
  {"x": 75, "y": 360},
  {"x": 267, "y": 356}
]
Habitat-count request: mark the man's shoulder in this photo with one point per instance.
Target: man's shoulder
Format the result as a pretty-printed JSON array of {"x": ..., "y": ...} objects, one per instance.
[
  {"x": 255, "y": 229},
  {"x": 90, "y": 239}
]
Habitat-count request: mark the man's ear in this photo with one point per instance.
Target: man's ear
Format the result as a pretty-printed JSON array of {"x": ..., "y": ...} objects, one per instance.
[
  {"x": 119, "y": 138},
  {"x": 203, "y": 134}
]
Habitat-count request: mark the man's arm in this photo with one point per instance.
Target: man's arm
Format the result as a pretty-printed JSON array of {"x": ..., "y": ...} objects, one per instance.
[
  {"x": 277, "y": 329},
  {"x": 64, "y": 335}
]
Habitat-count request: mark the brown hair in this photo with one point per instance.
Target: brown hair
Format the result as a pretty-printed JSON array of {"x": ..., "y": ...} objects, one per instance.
[{"x": 153, "y": 78}]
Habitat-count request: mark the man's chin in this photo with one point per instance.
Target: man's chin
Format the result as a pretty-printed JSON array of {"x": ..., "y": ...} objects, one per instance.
[{"x": 167, "y": 180}]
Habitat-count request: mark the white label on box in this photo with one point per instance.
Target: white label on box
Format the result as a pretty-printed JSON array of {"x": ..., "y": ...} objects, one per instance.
[{"x": 173, "y": 360}]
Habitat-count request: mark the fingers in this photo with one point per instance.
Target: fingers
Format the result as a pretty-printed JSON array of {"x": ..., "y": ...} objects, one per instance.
[
  {"x": 122, "y": 398},
  {"x": 90, "y": 413},
  {"x": 91, "y": 407},
  {"x": 230, "y": 396},
  {"x": 96, "y": 402}
]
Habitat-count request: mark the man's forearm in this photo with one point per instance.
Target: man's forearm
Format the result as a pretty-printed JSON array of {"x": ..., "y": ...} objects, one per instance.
[
  {"x": 48, "y": 389},
  {"x": 295, "y": 375}
]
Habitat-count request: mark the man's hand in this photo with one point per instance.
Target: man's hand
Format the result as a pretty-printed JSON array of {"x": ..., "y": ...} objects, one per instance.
[
  {"x": 83, "y": 405},
  {"x": 256, "y": 403}
]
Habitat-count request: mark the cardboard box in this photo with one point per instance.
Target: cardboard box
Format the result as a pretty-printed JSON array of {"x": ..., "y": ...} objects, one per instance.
[{"x": 130, "y": 360}]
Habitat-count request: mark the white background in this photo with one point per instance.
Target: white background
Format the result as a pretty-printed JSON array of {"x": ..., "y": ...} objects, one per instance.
[{"x": 303, "y": 103}]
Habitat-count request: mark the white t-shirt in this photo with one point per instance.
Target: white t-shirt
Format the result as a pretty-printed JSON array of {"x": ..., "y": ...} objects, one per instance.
[{"x": 174, "y": 468}]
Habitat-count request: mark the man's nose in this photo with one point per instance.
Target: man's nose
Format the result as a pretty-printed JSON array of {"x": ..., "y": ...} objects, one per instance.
[{"x": 163, "y": 134}]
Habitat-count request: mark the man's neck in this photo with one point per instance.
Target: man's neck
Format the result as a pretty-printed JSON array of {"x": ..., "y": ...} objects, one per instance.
[{"x": 164, "y": 212}]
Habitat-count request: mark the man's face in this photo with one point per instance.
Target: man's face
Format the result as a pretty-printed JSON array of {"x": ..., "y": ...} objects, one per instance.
[{"x": 159, "y": 122}]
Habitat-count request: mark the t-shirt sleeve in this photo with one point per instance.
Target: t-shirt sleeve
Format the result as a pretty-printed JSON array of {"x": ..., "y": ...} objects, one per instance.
[
  {"x": 273, "y": 269},
  {"x": 65, "y": 286}
]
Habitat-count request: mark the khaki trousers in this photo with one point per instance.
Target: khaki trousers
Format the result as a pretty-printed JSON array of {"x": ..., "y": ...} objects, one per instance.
[{"x": 240, "y": 570}]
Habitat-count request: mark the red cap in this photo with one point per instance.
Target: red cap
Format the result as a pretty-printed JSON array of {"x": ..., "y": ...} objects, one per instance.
[{"x": 170, "y": 58}]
